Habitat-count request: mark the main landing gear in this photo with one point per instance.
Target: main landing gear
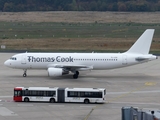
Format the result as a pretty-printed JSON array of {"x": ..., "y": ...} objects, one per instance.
[
  {"x": 75, "y": 76},
  {"x": 25, "y": 73}
]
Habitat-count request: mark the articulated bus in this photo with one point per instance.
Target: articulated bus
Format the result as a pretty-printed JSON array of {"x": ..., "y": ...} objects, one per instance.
[{"x": 60, "y": 95}]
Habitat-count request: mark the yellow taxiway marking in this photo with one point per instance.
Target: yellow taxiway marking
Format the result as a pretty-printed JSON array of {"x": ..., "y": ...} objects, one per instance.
[{"x": 150, "y": 83}]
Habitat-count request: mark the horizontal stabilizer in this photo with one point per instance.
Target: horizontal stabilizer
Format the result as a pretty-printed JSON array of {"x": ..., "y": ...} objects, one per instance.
[
  {"x": 148, "y": 57},
  {"x": 141, "y": 59}
]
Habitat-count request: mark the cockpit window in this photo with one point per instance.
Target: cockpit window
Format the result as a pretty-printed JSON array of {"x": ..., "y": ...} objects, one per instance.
[{"x": 13, "y": 58}]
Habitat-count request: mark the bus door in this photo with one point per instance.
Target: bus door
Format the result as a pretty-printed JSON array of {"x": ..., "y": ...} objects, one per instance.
[{"x": 61, "y": 95}]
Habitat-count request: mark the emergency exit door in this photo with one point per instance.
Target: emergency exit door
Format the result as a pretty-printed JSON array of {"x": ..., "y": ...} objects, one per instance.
[
  {"x": 23, "y": 59},
  {"x": 124, "y": 60}
]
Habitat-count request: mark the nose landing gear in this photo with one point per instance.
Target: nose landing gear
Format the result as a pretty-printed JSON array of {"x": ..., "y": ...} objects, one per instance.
[{"x": 25, "y": 73}]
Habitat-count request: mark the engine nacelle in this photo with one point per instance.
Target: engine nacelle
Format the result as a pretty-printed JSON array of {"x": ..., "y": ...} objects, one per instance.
[{"x": 55, "y": 72}]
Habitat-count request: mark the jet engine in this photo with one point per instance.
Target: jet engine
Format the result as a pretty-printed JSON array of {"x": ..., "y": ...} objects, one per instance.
[{"x": 54, "y": 72}]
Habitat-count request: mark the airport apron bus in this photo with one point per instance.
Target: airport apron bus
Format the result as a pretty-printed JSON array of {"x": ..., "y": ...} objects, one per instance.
[{"x": 59, "y": 95}]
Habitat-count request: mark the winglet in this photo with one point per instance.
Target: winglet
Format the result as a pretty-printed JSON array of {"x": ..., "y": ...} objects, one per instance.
[{"x": 142, "y": 45}]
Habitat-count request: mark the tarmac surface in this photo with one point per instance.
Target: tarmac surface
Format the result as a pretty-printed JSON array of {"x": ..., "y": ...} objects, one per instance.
[{"x": 136, "y": 86}]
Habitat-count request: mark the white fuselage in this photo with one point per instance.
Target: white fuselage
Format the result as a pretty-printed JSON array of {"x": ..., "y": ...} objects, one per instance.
[{"x": 96, "y": 61}]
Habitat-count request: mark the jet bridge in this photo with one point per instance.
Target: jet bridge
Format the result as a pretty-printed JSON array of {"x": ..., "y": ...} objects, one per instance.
[{"x": 130, "y": 113}]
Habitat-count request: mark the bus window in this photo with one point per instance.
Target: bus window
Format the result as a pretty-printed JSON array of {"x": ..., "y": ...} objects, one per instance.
[
  {"x": 79, "y": 94},
  {"x": 82, "y": 94},
  {"x": 72, "y": 94},
  {"x": 25, "y": 92},
  {"x": 104, "y": 91},
  {"x": 51, "y": 93},
  {"x": 40, "y": 93},
  {"x": 96, "y": 94},
  {"x": 33, "y": 93},
  {"x": 45, "y": 93},
  {"x": 87, "y": 94},
  {"x": 17, "y": 93}
]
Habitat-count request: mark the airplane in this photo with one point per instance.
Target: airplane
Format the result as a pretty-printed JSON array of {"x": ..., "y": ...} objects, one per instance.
[{"x": 58, "y": 64}]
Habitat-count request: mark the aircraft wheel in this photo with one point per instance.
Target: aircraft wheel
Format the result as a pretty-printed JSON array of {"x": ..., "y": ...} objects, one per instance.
[
  {"x": 75, "y": 76},
  {"x": 77, "y": 72},
  {"x": 24, "y": 75}
]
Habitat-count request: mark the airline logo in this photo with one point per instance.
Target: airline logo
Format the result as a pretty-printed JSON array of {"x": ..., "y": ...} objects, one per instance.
[{"x": 50, "y": 59}]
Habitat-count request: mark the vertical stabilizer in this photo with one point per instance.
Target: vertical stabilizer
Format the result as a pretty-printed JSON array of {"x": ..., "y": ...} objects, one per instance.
[{"x": 143, "y": 44}]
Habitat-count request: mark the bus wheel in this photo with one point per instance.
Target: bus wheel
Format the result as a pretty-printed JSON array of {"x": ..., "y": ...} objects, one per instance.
[
  {"x": 86, "y": 101},
  {"x": 52, "y": 100},
  {"x": 26, "y": 99}
]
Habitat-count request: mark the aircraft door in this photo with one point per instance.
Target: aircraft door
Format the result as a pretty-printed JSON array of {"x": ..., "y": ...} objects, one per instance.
[
  {"x": 124, "y": 60},
  {"x": 23, "y": 59}
]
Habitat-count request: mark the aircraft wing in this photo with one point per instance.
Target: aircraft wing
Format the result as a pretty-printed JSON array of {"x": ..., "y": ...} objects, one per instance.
[{"x": 71, "y": 67}]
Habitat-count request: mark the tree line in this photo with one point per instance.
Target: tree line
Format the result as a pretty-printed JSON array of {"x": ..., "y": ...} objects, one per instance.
[{"x": 79, "y": 5}]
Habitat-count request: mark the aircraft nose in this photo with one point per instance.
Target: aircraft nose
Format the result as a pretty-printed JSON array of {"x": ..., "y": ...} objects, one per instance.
[{"x": 7, "y": 63}]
